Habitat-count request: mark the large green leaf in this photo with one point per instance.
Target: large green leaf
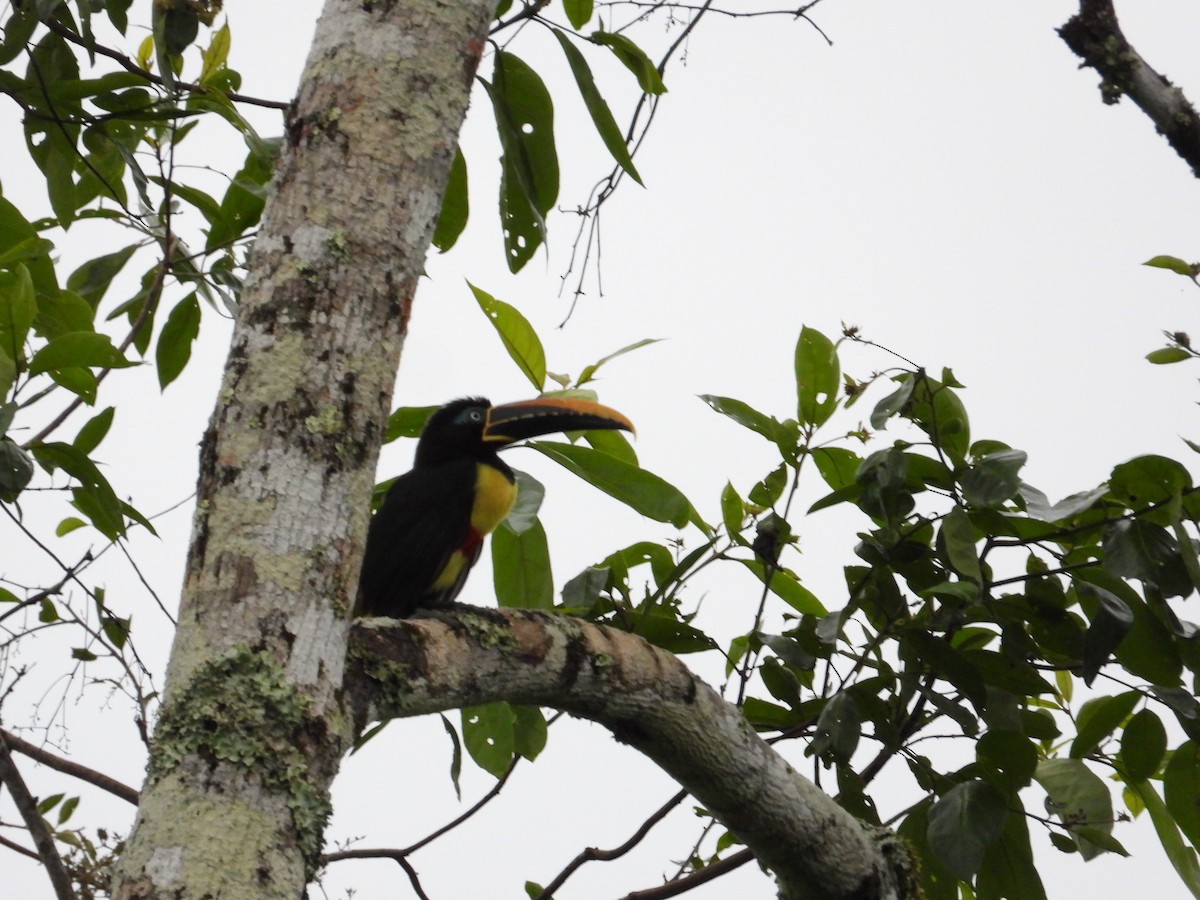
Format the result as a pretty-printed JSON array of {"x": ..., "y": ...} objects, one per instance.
[
  {"x": 1181, "y": 789},
  {"x": 1008, "y": 870},
  {"x": 521, "y": 568},
  {"x": 941, "y": 414},
  {"x": 936, "y": 882},
  {"x": 1079, "y": 797},
  {"x": 78, "y": 349},
  {"x": 93, "y": 279},
  {"x": 578, "y": 12},
  {"x": 963, "y": 823},
  {"x": 634, "y": 58},
  {"x": 241, "y": 207},
  {"x": 638, "y": 489},
  {"x": 787, "y": 588},
  {"x": 1182, "y": 857},
  {"x": 839, "y": 728},
  {"x": 818, "y": 377},
  {"x": 1143, "y": 745},
  {"x": 1100, "y": 717},
  {"x": 16, "y": 470},
  {"x": 456, "y": 207},
  {"x": 488, "y": 736},
  {"x": 958, "y": 535},
  {"x": 745, "y": 415},
  {"x": 518, "y": 336},
  {"x": 175, "y": 341},
  {"x": 994, "y": 478},
  {"x": 18, "y": 309},
  {"x": 597, "y": 107},
  {"x": 529, "y": 731},
  {"x": 529, "y": 162}
]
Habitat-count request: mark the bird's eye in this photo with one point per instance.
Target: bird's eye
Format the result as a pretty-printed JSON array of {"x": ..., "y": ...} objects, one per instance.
[{"x": 476, "y": 416}]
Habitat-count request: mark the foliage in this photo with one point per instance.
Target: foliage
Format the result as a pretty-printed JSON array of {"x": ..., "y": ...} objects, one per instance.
[{"x": 1044, "y": 641}]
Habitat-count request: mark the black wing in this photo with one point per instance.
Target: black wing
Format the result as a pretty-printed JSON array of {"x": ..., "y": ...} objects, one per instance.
[{"x": 424, "y": 518}]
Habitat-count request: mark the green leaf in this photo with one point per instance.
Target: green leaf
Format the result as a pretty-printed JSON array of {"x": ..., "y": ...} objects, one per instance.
[
  {"x": 963, "y": 823},
  {"x": 818, "y": 377},
  {"x": 456, "y": 207},
  {"x": 488, "y": 735},
  {"x": 78, "y": 349},
  {"x": 455, "y": 754},
  {"x": 959, "y": 536},
  {"x": 1079, "y": 797},
  {"x": 597, "y": 107},
  {"x": 768, "y": 491},
  {"x": 994, "y": 478},
  {"x": 17, "y": 311},
  {"x": 529, "y": 162},
  {"x": 407, "y": 421},
  {"x": 1099, "y": 718},
  {"x": 529, "y": 731},
  {"x": 579, "y": 12},
  {"x": 838, "y": 728},
  {"x": 242, "y": 206},
  {"x": 523, "y": 514},
  {"x": 69, "y": 524},
  {"x": 518, "y": 336},
  {"x": 941, "y": 415},
  {"x": 1181, "y": 789},
  {"x": 732, "y": 510},
  {"x": 936, "y": 883},
  {"x": 93, "y": 279},
  {"x": 175, "y": 342},
  {"x": 893, "y": 402},
  {"x": 1038, "y": 506},
  {"x": 1174, "y": 264},
  {"x": 1008, "y": 870},
  {"x": 638, "y": 489},
  {"x": 788, "y": 589},
  {"x": 1166, "y": 355},
  {"x": 589, "y": 372},
  {"x": 1182, "y": 857},
  {"x": 745, "y": 415},
  {"x": 633, "y": 58},
  {"x": 521, "y": 568},
  {"x": 1011, "y": 752},
  {"x": 16, "y": 470},
  {"x": 93, "y": 431},
  {"x": 1143, "y": 745},
  {"x": 1148, "y": 479},
  {"x": 837, "y": 466}
]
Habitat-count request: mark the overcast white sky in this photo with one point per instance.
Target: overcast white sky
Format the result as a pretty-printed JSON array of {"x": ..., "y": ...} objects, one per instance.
[{"x": 943, "y": 177}]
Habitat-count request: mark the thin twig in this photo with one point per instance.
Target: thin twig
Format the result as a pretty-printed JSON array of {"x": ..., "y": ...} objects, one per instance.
[
  {"x": 703, "y": 876},
  {"x": 130, "y": 66},
  {"x": 591, "y": 853},
  {"x": 39, "y": 831}
]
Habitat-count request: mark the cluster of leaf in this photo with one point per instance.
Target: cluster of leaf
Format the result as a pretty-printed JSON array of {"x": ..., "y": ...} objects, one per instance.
[
  {"x": 973, "y": 610},
  {"x": 524, "y": 112},
  {"x": 102, "y": 131}
]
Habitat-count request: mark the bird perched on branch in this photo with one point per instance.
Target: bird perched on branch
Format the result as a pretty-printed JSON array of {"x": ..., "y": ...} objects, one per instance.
[{"x": 430, "y": 529}]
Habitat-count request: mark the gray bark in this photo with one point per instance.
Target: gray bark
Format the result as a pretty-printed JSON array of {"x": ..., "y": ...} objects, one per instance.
[
  {"x": 251, "y": 729},
  {"x": 649, "y": 700}
]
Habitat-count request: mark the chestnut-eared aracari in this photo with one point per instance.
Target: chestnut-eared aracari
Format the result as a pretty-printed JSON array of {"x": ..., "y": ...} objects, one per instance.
[{"x": 430, "y": 529}]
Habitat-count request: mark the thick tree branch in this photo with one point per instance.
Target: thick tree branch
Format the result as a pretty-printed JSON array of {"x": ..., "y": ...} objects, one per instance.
[
  {"x": 39, "y": 831},
  {"x": 649, "y": 700},
  {"x": 1095, "y": 36}
]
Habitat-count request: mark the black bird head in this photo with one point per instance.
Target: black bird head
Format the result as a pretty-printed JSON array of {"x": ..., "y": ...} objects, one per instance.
[{"x": 473, "y": 427}]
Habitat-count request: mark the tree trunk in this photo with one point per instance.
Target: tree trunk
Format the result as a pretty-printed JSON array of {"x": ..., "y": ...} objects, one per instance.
[{"x": 252, "y": 729}]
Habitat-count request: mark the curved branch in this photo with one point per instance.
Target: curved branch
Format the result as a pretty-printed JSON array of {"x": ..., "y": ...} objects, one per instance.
[
  {"x": 1095, "y": 36},
  {"x": 74, "y": 769},
  {"x": 38, "y": 830},
  {"x": 650, "y": 700}
]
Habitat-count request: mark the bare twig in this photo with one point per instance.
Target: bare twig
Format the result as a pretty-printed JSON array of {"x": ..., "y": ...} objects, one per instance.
[
  {"x": 17, "y": 848},
  {"x": 592, "y": 854},
  {"x": 705, "y": 875},
  {"x": 43, "y": 840},
  {"x": 74, "y": 769}
]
